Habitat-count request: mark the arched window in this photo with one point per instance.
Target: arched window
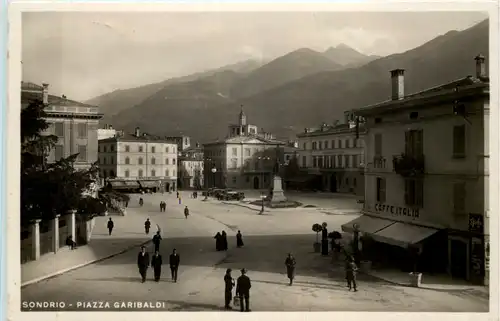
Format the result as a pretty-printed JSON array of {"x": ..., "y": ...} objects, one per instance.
[
  {"x": 127, "y": 173},
  {"x": 140, "y": 161},
  {"x": 153, "y": 173},
  {"x": 140, "y": 173},
  {"x": 153, "y": 161},
  {"x": 127, "y": 160},
  {"x": 167, "y": 161}
]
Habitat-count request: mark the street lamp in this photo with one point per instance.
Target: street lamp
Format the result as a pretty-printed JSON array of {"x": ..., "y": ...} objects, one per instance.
[{"x": 214, "y": 170}]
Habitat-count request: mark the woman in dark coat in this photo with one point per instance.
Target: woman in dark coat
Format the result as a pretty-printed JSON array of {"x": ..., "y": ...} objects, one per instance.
[
  {"x": 290, "y": 267},
  {"x": 224, "y": 241},
  {"x": 156, "y": 263},
  {"x": 218, "y": 241},
  {"x": 239, "y": 239}
]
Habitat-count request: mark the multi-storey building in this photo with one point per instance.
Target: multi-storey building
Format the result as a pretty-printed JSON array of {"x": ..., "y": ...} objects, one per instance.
[
  {"x": 427, "y": 174},
  {"x": 245, "y": 159},
  {"x": 190, "y": 169},
  {"x": 74, "y": 123},
  {"x": 139, "y": 159},
  {"x": 107, "y": 132},
  {"x": 334, "y": 154},
  {"x": 183, "y": 142}
]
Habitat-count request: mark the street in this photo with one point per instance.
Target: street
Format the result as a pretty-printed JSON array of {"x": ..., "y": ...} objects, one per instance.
[{"x": 319, "y": 284}]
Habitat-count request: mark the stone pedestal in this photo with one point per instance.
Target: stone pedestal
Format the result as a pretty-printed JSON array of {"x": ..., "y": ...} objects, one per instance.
[
  {"x": 55, "y": 234},
  {"x": 35, "y": 239},
  {"x": 277, "y": 193}
]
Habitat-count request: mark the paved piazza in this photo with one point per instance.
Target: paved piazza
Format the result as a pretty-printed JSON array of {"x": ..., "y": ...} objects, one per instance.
[{"x": 319, "y": 285}]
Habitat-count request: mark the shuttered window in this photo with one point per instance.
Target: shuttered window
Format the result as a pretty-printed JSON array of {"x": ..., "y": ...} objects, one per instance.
[
  {"x": 414, "y": 192},
  {"x": 459, "y": 141}
]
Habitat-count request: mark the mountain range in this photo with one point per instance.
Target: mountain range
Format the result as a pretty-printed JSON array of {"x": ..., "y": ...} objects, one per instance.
[{"x": 300, "y": 89}]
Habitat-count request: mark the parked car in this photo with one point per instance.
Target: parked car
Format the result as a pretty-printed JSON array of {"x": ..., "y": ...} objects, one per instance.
[
  {"x": 210, "y": 192},
  {"x": 233, "y": 196},
  {"x": 219, "y": 192}
]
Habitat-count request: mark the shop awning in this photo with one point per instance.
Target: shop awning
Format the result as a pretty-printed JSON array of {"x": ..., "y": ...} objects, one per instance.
[
  {"x": 367, "y": 224},
  {"x": 149, "y": 184},
  {"x": 117, "y": 184},
  {"x": 403, "y": 234},
  {"x": 124, "y": 184},
  {"x": 131, "y": 184}
]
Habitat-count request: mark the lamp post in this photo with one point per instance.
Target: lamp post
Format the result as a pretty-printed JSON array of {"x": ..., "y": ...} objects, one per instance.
[
  {"x": 214, "y": 170},
  {"x": 207, "y": 160}
]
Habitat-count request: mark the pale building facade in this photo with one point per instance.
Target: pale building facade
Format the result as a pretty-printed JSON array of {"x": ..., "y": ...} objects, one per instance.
[
  {"x": 74, "y": 123},
  {"x": 107, "y": 131},
  {"x": 150, "y": 160},
  {"x": 335, "y": 154},
  {"x": 426, "y": 176},
  {"x": 191, "y": 168}
]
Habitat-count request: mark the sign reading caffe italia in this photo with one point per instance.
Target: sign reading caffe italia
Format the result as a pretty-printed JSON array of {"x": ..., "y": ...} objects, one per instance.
[{"x": 397, "y": 210}]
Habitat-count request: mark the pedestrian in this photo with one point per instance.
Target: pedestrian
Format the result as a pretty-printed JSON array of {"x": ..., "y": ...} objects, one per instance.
[
  {"x": 180, "y": 200},
  {"x": 141, "y": 202},
  {"x": 156, "y": 262},
  {"x": 239, "y": 239},
  {"x": 111, "y": 225},
  {"x": 243, "y": 286},
  {"x": 147, "y": 226},
  {"x": 126, "y": 203},
  {"x": 224, "y": 241},
  {"x": 174, "y": 261},
  {"x": 177, "y": 193},
  {"x": 351, "y": 271},
  {"x": 195, "y": 194},
  {"x": 161, "y": 206},
  {"x": 143, "y": 263},
  {"x": 70, "y": 242},
  {"x": 228, "y": 289},
  {"x": 156, "y": 241},
  {"x": 186, "y": 210},
  {"x": 290, "y": 267},
  {"x": 218, "y": 241}
]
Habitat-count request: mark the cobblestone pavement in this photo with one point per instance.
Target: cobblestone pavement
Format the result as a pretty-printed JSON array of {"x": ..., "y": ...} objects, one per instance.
[{"x": 319, "y": 286}]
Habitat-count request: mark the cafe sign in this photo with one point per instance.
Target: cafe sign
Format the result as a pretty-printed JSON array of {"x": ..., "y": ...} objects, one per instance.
[{"x": 397, "y": 210}]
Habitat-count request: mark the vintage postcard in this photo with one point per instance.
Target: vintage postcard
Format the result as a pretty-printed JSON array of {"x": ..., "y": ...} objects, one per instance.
[{"x": 252, "y": 158}]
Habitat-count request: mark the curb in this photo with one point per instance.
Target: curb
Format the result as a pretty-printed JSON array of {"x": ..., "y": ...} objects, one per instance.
[
  {"x": 240, "y": 205},
  {"x": 55, "y": 274}
]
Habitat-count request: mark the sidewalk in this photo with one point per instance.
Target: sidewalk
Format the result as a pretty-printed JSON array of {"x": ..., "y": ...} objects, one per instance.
[
  {"x": 127, "y": 234},
  {"x": 429, "y": 282}
]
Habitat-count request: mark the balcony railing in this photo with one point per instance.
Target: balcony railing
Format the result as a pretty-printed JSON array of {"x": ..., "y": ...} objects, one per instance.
[{"x": 409, "y": 165}]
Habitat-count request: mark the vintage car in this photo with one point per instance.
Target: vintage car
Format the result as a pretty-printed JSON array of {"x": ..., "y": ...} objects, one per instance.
[{"x": 233, "y": 196}]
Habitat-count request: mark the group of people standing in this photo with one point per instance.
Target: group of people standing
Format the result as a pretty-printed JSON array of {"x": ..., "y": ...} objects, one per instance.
[
  {"x": 221, "y": 243},
  {"x": 243, "y": 285},
  {"x": 156, "y": 263}
]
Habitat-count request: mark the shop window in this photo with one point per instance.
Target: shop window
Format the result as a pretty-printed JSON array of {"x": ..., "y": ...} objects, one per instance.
[
  {"x": 414, "y": 192},
  {"x": 380, "y": 190}
]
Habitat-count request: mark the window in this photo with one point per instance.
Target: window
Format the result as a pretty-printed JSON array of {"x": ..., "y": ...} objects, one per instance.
[
  {"x": 414, "y": 192},
  {"x": 459, "y": 197},
  {"x": 82, "y": 129},
  {"x": 304, "y": 161},
  {"x": 173, "y": 161},
  {"x": 234, "y": 179},
  {"x": 112, "y": 148},
  {"x": 378, "y": 144},
  {"x": 127, "y": 160},
  {"x": 153, "y": 173},
  {"x": 320, "y": 145},
  {"x": 167, "y": 173},
  {"x": 105, "y": 148},
  {"x": 320, "y": 162},
  {"x": 127, "y": 148},
  {"x": 339, "y": 160},
  {"x": 326, "y": 144},
  {"x": 59, "y": 129},
  {"x": 112, "y": 160},
  {"x": 346, "y": 161},
  {"x": 380, "y": 190},
  {"x": 314, "y": 145},
  {"x": 82, "y": 153},
  {"x": 153, "y": 161},
  {"x": 235, "y": 151},
  {"x": 166, "y": 149},
  {"x": 340, "y": 143},
  {"x": 127, "y": 173},
  {"x": 173, "y": 172},
  {"x": 332, "y": 144},
  {"x": 167, "y": 162},
  {"x": 414, "y": 142},
  {"x": 58, "y": 152},
  {"x": 459, "y": 141},
  {"x": 140, "y": 173},
  {"x": 333, "y": 161},
  {"x": 104, "y": 160},
  {"x": 153, "y": 149},
  {"x": 234, "y": 163},
  {"x": 173, "y": 150},
  {"x": 315, "y": 162},
  {"x": 355, "y": 162},
  {"x": 247, "y": 151},
  {"x": 140, "y": 149},
  {"x": 139, "y": 161},
  {"x": 304, "y": 146},
  {"x": 347, "y": 143}
]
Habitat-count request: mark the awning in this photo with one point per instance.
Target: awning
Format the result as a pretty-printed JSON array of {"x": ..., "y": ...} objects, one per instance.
[
  {"x": 149, "y": 184},
  {"x": 124, "y": 184},
  {"x": 402, "y": 234},
  {"x": 117, "y": 184},
  {"x": 367, "y": 224},
  {"x": 131, "y": 184}
]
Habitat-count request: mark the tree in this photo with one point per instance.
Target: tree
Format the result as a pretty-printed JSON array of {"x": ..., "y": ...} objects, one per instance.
[
  {"x": 47, "y": 189},
  {"x": 292, "y": 169}
]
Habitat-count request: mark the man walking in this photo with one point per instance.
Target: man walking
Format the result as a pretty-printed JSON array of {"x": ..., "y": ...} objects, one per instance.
[
  {"x": 143, "y": 263},
  {"x": 111, "y": 225},
  {"x": 174, "y": 261},
  {"x": 228, "y": 289},
  {"x": 147, "y": 226},
  {"x": 156, "y": 241},
  {"x": 351, "y": 271},
  {"x": 186, "y": 212},
  {"x": 290, "y": 267},
  {"x": 243, "y": 286},
  {"x": 156, "y": 262}
]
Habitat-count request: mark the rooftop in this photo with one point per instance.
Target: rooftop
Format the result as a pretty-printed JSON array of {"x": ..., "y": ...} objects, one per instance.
[
  {"x": 325, "y": 130},
  {"x": 249, "y": 139},
  {"x": 143, "y": 137},
  {"x": 29, "y": 96}
]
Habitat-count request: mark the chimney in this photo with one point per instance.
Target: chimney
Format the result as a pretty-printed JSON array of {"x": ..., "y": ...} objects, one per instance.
[
  {"x": 398, "y": 84},
  {"x": 45, "y": 94},
  {"x": 480, "y": 66},
  {"x": 137, "y": 132}
]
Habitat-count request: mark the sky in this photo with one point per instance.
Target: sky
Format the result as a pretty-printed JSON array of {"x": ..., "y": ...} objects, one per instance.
[{"x": 86, "y": 54}]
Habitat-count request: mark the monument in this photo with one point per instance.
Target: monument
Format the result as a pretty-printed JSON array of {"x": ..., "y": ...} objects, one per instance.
[{"x": 276, "y": 194}]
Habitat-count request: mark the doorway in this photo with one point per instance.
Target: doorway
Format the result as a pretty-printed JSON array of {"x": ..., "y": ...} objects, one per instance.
[
  {"x": 333, "y": 183},
  {"x": 458, "y": 259},
  {"x": 167, "y": 187},
  {"x": 256, "y": 182}
]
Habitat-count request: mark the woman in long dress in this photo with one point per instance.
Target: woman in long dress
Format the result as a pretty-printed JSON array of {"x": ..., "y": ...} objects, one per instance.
[
  {"x": 224, "y": 241},
  {"x": 239, "y": 239},
  {"x": 218, "y": 241},
  {"x": 290, "y": 267}
]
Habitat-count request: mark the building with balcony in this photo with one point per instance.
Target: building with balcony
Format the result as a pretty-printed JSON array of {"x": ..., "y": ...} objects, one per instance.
[
  {"x": 190, "y": 169},
  {"x": 139, "y": 160},
  {"x": 244, "y": 160},
  {"x": 427, "y": 175},
  {"x": 74, "y": 123},
  {"x": 332, "y": 156}
]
